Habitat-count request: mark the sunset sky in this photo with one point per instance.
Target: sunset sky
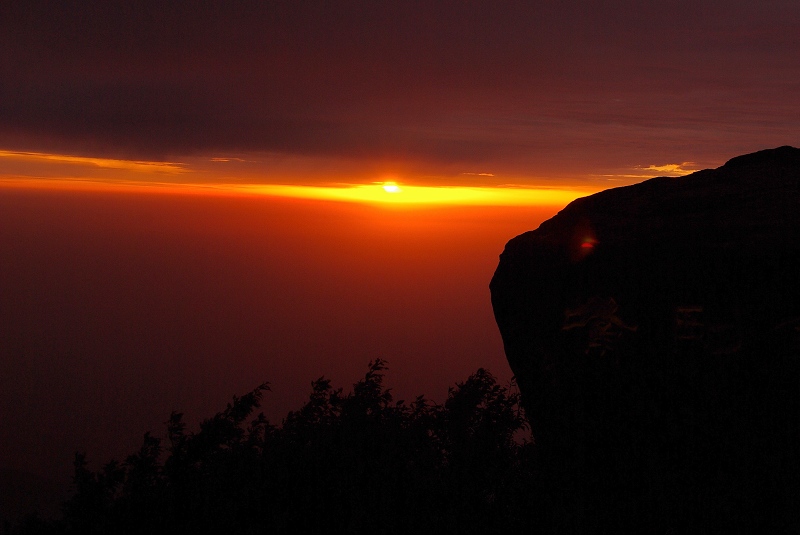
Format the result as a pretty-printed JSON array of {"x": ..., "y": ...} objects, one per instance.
[
  {"x": 197, "y": 197},
  {"x": 431, "y": 93}
]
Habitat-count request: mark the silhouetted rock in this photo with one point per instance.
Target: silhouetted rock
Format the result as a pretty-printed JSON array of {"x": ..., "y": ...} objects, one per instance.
[{"x": 654, "y": 333}]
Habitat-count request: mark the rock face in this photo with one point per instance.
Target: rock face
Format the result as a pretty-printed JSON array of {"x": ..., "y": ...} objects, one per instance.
[{"x": 654, "y": 331}]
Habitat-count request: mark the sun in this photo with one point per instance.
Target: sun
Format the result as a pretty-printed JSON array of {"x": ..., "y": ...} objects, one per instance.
[{"x": 391, "y": 187}]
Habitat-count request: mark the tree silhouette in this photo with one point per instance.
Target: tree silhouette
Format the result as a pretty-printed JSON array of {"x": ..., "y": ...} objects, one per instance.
[{"x": 343, "y": 462}]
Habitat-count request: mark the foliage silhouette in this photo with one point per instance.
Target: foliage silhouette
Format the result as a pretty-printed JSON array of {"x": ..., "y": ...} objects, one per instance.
[{"x": 355, "y": 462}]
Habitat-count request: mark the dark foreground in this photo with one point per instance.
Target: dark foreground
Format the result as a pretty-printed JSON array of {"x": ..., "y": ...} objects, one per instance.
[
  {"x": 361, "y": 462},
  {"x": 654, "y": 331},
  {"x": 357, "y": 462}
]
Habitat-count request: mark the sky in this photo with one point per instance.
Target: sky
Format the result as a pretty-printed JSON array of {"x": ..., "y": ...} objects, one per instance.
[
  {"x": 198, "y": 197},
  {"x": 465, "y": 93}
]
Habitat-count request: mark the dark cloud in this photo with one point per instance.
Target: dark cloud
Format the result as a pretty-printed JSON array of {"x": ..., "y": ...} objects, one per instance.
[{"x": 436, "y": 82}]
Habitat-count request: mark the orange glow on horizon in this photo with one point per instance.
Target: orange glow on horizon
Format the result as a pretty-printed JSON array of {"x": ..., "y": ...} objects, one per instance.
[
  {"x": 42, "y": 170},
  {"x": 388, "y": 194},
  {"x": 392, "y": 194}
]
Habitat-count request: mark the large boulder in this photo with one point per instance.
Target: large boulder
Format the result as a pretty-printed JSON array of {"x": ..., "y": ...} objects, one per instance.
[{"x": 654, "y": 331}]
